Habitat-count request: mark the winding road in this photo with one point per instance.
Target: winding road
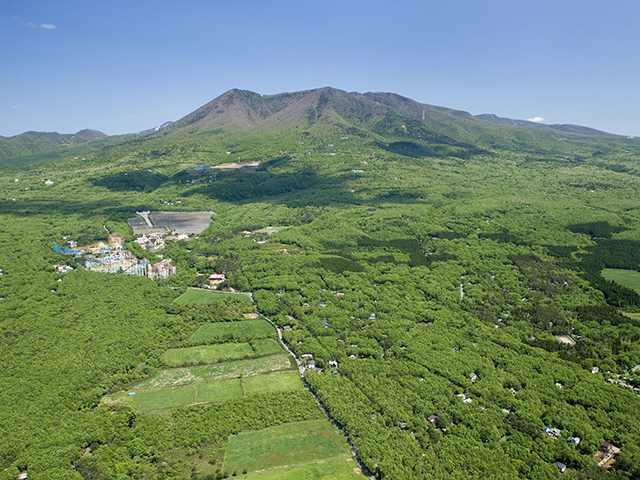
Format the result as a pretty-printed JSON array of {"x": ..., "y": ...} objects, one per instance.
[{"x": 301, "y": 369}]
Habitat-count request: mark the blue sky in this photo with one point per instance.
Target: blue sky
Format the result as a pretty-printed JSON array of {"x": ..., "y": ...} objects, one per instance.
[{"x": 127, "y": 65}]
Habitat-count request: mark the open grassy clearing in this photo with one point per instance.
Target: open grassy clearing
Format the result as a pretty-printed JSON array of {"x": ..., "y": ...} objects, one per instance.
[
  {"x": 248, "y": 328},
  {"x": 265, "y": 346},
  {"x": 275, "y": 382},
  {"x": 628, "y": 278},
  {"x": 207, "y": 353},
  {"x": 172, "y": 377},
  {"x": 219, "y": 391},
  {"x": 153, "y": 400},
  {"x": 194, "y": 296},
  {"x": 331, "y": 470},
  {"x": 292, "y": 444},
  {"x": 216, "y": 391}
]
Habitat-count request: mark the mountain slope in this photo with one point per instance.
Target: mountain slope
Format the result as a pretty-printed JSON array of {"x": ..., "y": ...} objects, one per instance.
[{"x": 32, "y": 143}]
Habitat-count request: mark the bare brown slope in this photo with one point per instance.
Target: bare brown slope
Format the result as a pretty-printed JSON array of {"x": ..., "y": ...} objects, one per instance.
[{"x": 236, "y": 109}]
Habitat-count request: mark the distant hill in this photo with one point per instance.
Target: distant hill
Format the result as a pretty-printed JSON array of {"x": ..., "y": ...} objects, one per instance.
[
  {"x": 387, "y": 120},
  {"x": 33, "y": 143}
]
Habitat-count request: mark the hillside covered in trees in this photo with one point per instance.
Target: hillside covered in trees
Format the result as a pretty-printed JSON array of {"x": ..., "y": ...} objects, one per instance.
[{"x": 443, "y": 271}]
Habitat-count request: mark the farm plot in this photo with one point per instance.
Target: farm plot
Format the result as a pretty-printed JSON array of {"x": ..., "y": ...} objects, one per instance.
[
  {"x": 292, "y": 444},
  {"x": 207, "y": 353},
  {"x": 275, "y": 382},
  {"x": 219, "y": 391},
  {"x": 325, "y": 470},
  {"x": 247, "y": 328},
  {"x": 172, "y": 377},
  {"x": 266, "y": 346},
  {"x": 154, "y": 400},
  {"x": 195, "y": 296}
]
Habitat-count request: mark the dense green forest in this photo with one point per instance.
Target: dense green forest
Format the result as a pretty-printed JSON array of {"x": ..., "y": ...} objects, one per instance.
[{"x": 436, "y": 271}]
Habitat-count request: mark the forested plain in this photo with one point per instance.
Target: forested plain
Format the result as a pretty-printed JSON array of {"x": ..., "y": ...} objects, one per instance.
[{"x": 437, "y": 278}]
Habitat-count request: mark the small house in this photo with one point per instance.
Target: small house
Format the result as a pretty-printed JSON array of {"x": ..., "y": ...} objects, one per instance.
[
  {"x": 595, "y": 370},
  {"x": 432, "y": 418},
  {"x": 560, "y": 466},
  {"x": 333, "y": 364},
  {"x": 473, "y": 377},
  {"x": 403, "y": 424},
  {"x": 606, "y": 447},
  {"x": 325, "y": 323},
  {"x": 573, "y": 440}
]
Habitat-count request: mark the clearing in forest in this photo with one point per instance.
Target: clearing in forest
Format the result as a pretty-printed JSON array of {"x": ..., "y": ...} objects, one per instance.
[
  {"x": 266, "y": 346},
  {"x": 207, "y": 353},
  {"x": 340, "y": 469},
  {"x": 276, "y": 382},
  {"x": 211, "y": 392},
  {"x": 221, "y": 351},
  {"x": 291, "y": 444},
  {"x": 173, "y": 377},
  {"x": 247, "y": 328},
  {"x": 195, "y": 296},
  {"x": 628, "y": 278}
]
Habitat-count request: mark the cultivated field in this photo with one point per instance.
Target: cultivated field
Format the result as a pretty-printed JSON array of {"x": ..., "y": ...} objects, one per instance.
[
  {"x": 266, "y": 346},
  {"x": 340, "y": 469},
  {"x": 292, "y": 444},
  {"x": 153, "y": 400},
  {"x": 276, "y": 382},
  {"x": 247, "y": 328},
  {"x": 628, "y": 278},
  {"x": 165, "y": 397},
  {"x": 195, "y": 296},
  {"x": 172, "y": 377},
  {"x": 219, "y": 391},
  {"x": 207, "y": 353}
]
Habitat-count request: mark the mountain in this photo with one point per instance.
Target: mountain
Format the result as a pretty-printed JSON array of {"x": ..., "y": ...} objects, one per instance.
[
  {"x": 386, "y": 120},
  {"x": 32, "y": 143},
  {"x": 383, "y": 114}
]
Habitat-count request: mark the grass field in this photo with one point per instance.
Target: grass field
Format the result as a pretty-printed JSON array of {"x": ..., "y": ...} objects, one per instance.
[
  {"x": 332, "y": 470},
  {"x": 219, "y": 391},
  {"x": 207, "y": 353},
  {"x": 193, "y": 296},
  {"x": 628, "y": 278},
  {"x": 153, "y": 400},
  {"x": 247, "y": 328},
  {"x": 265, "y": 346},
  {"x": 179, "y": 387},
  {"x": 173, "y": 377},
  {"x": 276, "y": 382},
  {"x": 292, "y": 444}
]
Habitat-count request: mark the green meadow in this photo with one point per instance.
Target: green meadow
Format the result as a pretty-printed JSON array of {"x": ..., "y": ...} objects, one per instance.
[
  {"x": 290, "y": 444},
  {"x": 275, "y": 382},
  {"x": 194, "y": 296},
  {"x": 197, "y": 374},
  {"x": 628, "y": 278},
  {"x": 340, "y": 469},
  {"x": 247, "y": 328},
  {"x": 207, "y": 353}
]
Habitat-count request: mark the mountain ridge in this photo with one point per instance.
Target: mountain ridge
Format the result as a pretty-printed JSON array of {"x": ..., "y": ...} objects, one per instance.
[{"x": 328, "y": 109}]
